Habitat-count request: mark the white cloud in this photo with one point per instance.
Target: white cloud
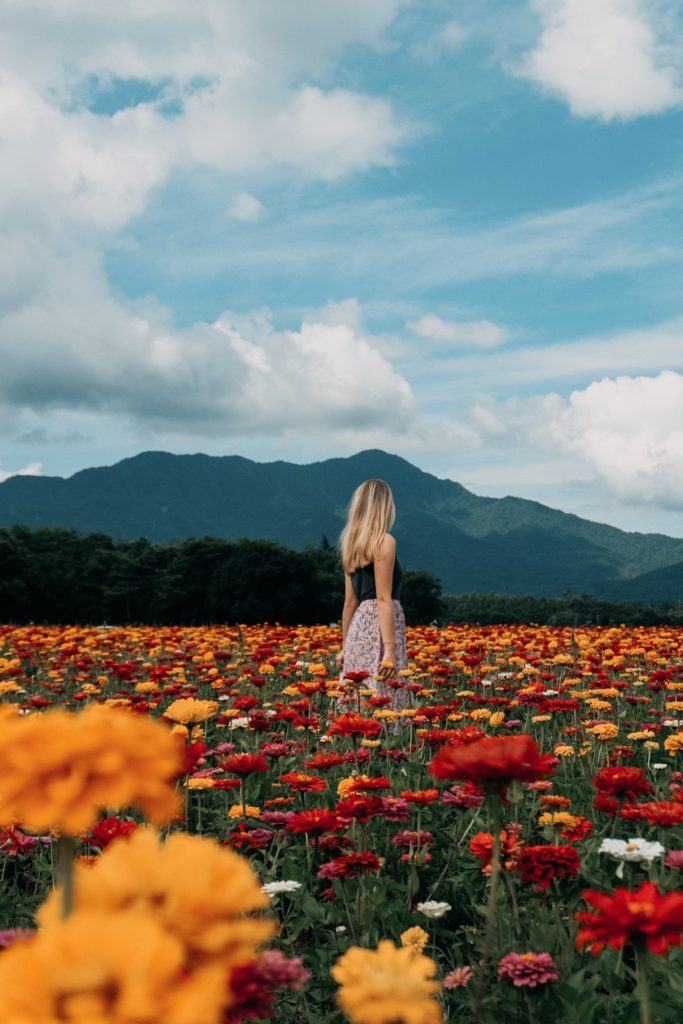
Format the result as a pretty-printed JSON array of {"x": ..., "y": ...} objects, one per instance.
[
  {"x": 479, "y": 333},
  {"x": 32, "y": 469},
  {"x": 245, "y": 207},
  {"x": 630, "y": 429},
  {"x": 603, "y": 58}
]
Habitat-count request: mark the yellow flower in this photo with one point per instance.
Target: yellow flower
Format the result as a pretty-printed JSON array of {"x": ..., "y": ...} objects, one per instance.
[
  {"x": 415, "y": 939},
  {"x": 559, "y": 819},
  {"x": 201, "y": 782},
  {"x": 674, "y": 743},
  {"x": 59, "y": 769},
  {"x": 389, "y": 985},
  {"x": 645, "y": 734},
  {"x": 189, "y": 711},
  {"x": 541, "y": 718},
  {"x": 497, "y": 718},
  {"x": 110, "y": 969},
  {"x": 198, "y": 890},
  {"x": 563, "y": 750},
  {"x": 251, "y": 812},
  {"x": 604, "y": 732}
]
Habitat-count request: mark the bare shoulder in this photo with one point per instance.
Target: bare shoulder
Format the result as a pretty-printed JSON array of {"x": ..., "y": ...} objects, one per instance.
[{"x": 387, "y": 546}]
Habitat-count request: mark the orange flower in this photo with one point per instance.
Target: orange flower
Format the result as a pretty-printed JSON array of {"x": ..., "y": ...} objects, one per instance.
[
  {"x": 387, "y": 985},
  {"x": 59, "y": 769},
  {"x": 198, "y": 890},
  {"x": 190, "y": 711},
  {"x": 107, "y": 969}
]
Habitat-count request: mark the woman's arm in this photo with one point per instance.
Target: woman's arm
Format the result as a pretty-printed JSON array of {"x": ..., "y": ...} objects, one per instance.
[
  {"x": 350, "y": 605},
  {"x": 384, "y": 574}
]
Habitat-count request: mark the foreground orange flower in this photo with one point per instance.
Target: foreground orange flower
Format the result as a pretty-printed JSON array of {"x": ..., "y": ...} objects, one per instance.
[
  {"x": 387, "y": 985},
  {"x": 104, "y": 968},
  {"x": 59, "y": 769},
  {"x": 198, "y": 890}
]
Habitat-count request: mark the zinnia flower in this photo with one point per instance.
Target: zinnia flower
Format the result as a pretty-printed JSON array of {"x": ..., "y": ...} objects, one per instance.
[
  {"x": 415, "y": 939},
  {"x": 494, "y": 759},
  {"x": 635, "y": 850},
  {"x": 109, "y": 968},
  {"x": 189, "y": 711},
  {"x": 625, "y": 916},
  {"x": 389, "y": 985},
  {"x": 433, "y": 908},
  {"x": 539, "y": 865},
  {"x": 458, "y": 977},
  {"x": 59, "y": 769},
  {"x": 528, "y": 969},
  {"x": 197, "y": 889},
  {"x": 626, "y": 783}
]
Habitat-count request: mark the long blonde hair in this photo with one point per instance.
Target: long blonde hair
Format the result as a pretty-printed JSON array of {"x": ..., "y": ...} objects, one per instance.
[{"x": 370, "y": 514}]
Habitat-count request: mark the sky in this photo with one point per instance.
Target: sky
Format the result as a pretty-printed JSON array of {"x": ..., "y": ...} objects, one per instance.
[{"x": 450, "y": 230}]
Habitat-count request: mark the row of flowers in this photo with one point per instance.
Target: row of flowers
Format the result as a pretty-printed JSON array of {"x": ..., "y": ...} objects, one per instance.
[{"x": 398, "y": 866}]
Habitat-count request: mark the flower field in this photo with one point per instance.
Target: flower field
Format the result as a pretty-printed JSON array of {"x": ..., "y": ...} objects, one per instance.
[{"x": 207, "y": 825}]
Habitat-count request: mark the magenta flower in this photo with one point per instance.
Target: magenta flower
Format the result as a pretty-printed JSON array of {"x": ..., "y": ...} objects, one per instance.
[
  {"x": 530, "y": 969},
  {"x": 674, "y": 859}
]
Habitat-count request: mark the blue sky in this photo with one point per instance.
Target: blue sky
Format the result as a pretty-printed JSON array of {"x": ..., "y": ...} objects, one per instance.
[{"x": 450, "y": 230}]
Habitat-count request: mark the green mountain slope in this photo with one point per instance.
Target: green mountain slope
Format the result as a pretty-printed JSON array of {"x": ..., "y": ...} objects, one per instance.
[{"x": 505, "y": 545}]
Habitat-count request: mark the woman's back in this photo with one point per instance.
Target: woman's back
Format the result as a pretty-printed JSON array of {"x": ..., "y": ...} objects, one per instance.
[{"x": 363, "y": 580}]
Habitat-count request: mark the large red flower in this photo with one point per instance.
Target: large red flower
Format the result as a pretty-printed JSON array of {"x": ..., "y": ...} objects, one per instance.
[
  {"x": 494, "y": 759},
  {"x": 626, "y": 783},
  {"x": 644, "y": 915},
  {"x": 244, "y": 764},
  {"x": 317, "y": 820},
  {"x": 354, "y": 725}
]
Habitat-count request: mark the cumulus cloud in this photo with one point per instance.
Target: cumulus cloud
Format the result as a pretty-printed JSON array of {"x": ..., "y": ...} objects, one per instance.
[
  {"x": 604, "y": 58},
  {"x": 479, "y": 333},
  {"x": 630, "y": 429},
  {"x": 222, "y": 84}
]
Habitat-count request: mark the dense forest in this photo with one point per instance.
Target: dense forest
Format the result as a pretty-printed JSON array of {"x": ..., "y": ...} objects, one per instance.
[{"x": 62, "y": 576}]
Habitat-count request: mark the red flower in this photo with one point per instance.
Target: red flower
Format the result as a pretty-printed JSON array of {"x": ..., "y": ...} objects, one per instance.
[
  {"x": 244, "y": 764},
  {"x": 317, "y": 820},
  {"x": 360, "y": 807},
  {"x": 323, "y": 761},
  {"x": 539, "y": 865},
  {"x": 350, "y": 865},
  {"x": 626, "y": 783},
  {"x": 108, "y": 829},
  {"x": 663, "y": 813},
  {"x": 354, "y": 725},
  {"x": 300, "y": 782},
  {"x": 628, "y": 917},
  {"x": 421, "y": 797},
  {"x": 497, "y": 759},
  {"x": 511, "y": 846}
]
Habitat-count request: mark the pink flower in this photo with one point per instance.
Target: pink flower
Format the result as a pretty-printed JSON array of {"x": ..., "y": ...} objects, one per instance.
[
  {"x": 530, "y": 969},
  {"x": 674, "y": 859},
  {"x": 10, "y": 935},
  {"x": 279, "y": 971},
  {"x": 458, "y": 978}
]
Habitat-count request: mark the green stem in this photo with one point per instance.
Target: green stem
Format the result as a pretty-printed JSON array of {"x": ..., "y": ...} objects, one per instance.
[
  {"x": 64, "y": 871},
  {"x": 643, "y": 988},
  {"x": 493, "y": 802}
]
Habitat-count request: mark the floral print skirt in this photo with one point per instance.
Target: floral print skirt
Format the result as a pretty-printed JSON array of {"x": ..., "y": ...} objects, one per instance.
[{"x": 364, "y": 649}]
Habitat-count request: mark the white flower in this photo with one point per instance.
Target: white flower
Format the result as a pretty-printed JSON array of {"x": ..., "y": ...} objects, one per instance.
[
  {"x": 433, "y": 909},
  {"x": 550, "y": 693},
  {"x": 275, "y": 888},
  {"x": 239, "y": 723},
  {"x": 633, "y": 850},
  {"x": 340, "y": 929},
  {"x": 658, "y": 767}
]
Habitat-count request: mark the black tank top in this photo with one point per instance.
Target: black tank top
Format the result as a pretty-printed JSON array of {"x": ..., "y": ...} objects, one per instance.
[{"x": 363, "y": 580}]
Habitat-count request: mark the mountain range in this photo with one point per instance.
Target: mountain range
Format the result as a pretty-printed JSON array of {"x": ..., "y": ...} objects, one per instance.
[{"x": 489, "y": 545}]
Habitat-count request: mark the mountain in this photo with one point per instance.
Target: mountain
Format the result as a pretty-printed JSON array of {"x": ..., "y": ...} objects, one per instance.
[{"x": 496, "y": 545}]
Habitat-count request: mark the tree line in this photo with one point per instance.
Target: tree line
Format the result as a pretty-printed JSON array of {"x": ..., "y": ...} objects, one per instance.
[{"x": 61, "y": 576}]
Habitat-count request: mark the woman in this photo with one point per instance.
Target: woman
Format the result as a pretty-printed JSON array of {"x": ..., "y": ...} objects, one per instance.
[{"x": 373, "y": 623}]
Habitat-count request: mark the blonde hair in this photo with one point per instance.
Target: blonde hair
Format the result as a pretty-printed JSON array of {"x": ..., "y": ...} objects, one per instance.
[{"x": 371, "y": 513}]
